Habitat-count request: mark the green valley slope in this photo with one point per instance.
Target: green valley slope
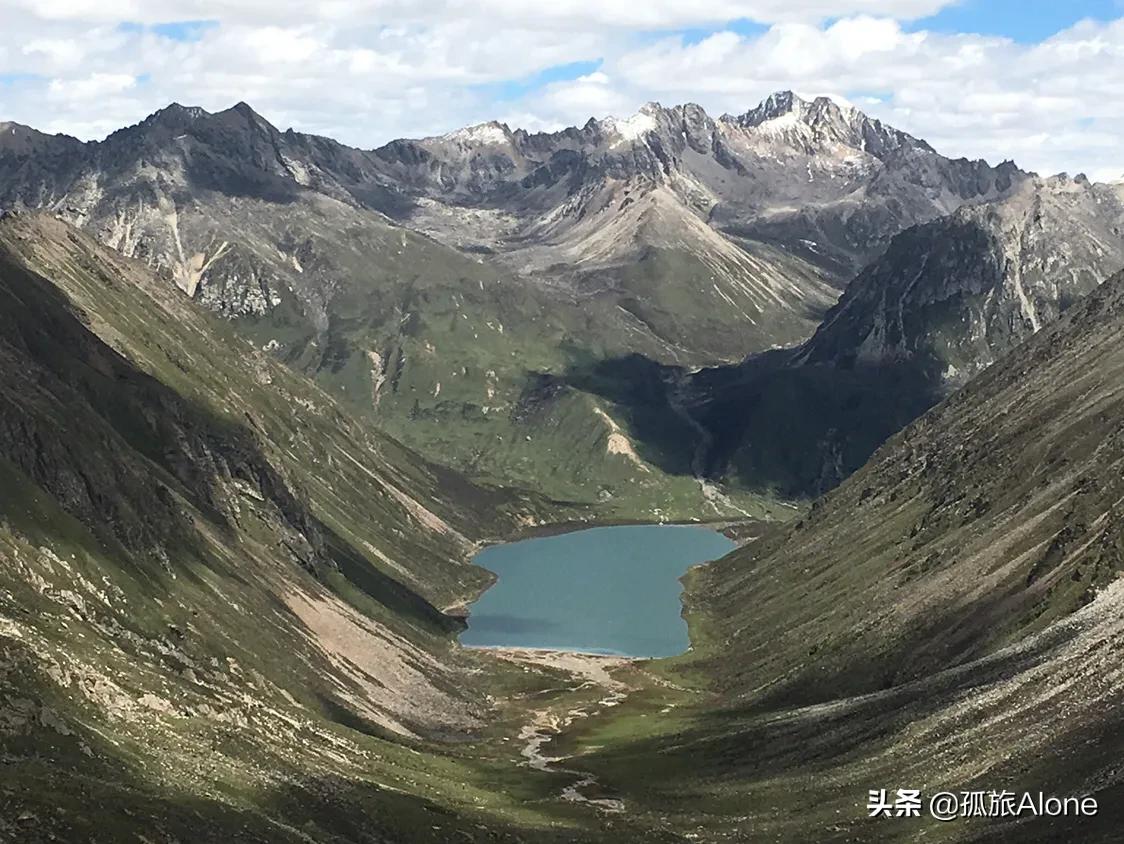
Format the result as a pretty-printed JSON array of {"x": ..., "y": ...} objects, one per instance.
[
  {"x": 947, "y": 619},
  {"x": 220, "y": 595},
  {"x": 295, "y": 239}
]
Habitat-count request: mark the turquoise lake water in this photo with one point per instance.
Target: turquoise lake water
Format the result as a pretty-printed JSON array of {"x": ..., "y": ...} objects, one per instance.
[{"x": 611, "y": 590}]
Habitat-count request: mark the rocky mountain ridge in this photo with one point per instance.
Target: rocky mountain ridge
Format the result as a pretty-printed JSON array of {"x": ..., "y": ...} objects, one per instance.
[
  {"x": 961, "y": 291},
  {"x": 757, "y": 175},
  {"x": 525, "y": 196},
  {"x": 945, "y": 300},
  {"x": 439, "y": 284}
]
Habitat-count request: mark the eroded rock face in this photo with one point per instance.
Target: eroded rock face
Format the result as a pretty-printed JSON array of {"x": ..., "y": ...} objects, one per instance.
[
  {"x": 51, "y": 360},
  {"x": 958, "y": 293},
  {"x": 198, "y": 196}
]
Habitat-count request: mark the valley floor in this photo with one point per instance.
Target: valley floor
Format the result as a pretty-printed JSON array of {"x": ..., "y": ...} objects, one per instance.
[
  {"x": 653, "y": 761},
  {"x": 219, "y": 617}
]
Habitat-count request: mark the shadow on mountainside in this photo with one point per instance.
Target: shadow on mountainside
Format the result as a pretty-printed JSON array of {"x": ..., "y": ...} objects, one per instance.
[
  {"x": 800, "y": 430},
  {"x": 642, "y": 390},
  {"x": 121, "y": 452},
  {"x": 768, "y": 424}
]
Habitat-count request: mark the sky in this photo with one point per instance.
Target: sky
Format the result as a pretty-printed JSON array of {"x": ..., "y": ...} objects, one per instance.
[{"x": 1037, "y": 81}]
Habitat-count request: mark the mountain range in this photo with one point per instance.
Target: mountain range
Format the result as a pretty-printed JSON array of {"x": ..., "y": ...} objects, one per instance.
[
  {"x": 465, "y": 290},
  {"x": 263, "y": 396},
  {"x": 945, "y": 300}
]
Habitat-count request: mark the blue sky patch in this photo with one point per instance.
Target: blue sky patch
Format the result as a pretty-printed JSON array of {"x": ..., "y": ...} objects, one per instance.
[
  {"x": 1025, "y": 21},
  {"x": 513, "y": 89},
  {"x": 743, "y": 27},
  {"x": 174, "y": 30},
  {"x": 19, "y": 78}
]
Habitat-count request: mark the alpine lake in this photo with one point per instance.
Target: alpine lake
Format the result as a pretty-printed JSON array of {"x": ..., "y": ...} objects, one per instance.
[{"x": 605, "y": 590}]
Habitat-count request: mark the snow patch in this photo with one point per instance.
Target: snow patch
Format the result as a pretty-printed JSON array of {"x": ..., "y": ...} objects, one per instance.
[
  {"x": 634, "y": 127},
  {"x": 483, "y": 133},
  {"x": 781, "y": 124}
]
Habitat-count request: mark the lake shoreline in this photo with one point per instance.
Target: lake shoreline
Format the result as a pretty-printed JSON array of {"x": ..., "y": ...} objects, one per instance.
[
  {"x": 605, "y": 591},
  {"x": 733, "y": 529},
  {"x": 531, "y": 651},
  {"x": 722, "y": 526}
]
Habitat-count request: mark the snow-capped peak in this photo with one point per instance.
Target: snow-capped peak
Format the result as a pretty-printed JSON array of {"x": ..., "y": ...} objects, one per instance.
[
  {"x": 635, "y": 127},
  {"x": 783, "y": 104},
  {"x": 786, "y": 108},
  {"x": 818, "y": 124},
  {"x": 491, "y": 132}
]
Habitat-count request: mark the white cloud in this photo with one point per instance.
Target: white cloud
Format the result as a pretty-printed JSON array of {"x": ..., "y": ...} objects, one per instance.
[
  {"x": 60, "y": 53},
  {"x": 571, "y": 14},
  {"x": 272, "y": 44},
  {"x": 967, "y": 94},
  {"x": 366, "y": 71},
  {"x": 91, "y": 87}
]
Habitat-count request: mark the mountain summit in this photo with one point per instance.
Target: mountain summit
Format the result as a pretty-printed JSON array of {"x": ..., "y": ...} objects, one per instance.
[
  {"x": 669, "y": 234},
  {"x": 821, "y": 122}
]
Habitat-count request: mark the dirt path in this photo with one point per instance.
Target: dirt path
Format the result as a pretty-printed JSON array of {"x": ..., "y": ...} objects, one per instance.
[{"x": 593, "y": 670}]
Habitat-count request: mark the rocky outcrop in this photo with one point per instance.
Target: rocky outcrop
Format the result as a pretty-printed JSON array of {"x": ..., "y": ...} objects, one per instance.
[
  {"x": 192, "y": 193},
  {"x": 956, "y": 294},
  {"x": 946, "y": 300},
  {"x": 83, "y": 423}
]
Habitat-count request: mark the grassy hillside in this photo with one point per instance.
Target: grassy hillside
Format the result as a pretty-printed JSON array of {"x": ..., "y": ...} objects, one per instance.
[
  {"x": 985, "y": 521},
  {"x": 947, "y": 619},
  {"x": 221, "y": 605},
  {"x": 447, "y": 352},
  {"x": 220, "y": 595}
]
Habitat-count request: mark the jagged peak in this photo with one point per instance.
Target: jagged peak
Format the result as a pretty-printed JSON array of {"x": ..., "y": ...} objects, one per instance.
[
  {"x": 822, "y": 116},
  {"x": 176, "y": 112},
  {"x": 489, "y": 132},
  {"x": 693, "y": 108},
  {"x": 824, "y": 119},
  {"x": 177, "y": 119},
  {"x": 635, "y": 126},
  {"x": 247, "y": 113},
  {"x": 776, "y": 105},
  {"x": 173, "y": 117},
  {"x": 242, "y": 107},
  {"x": 789, "y": 104}
]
